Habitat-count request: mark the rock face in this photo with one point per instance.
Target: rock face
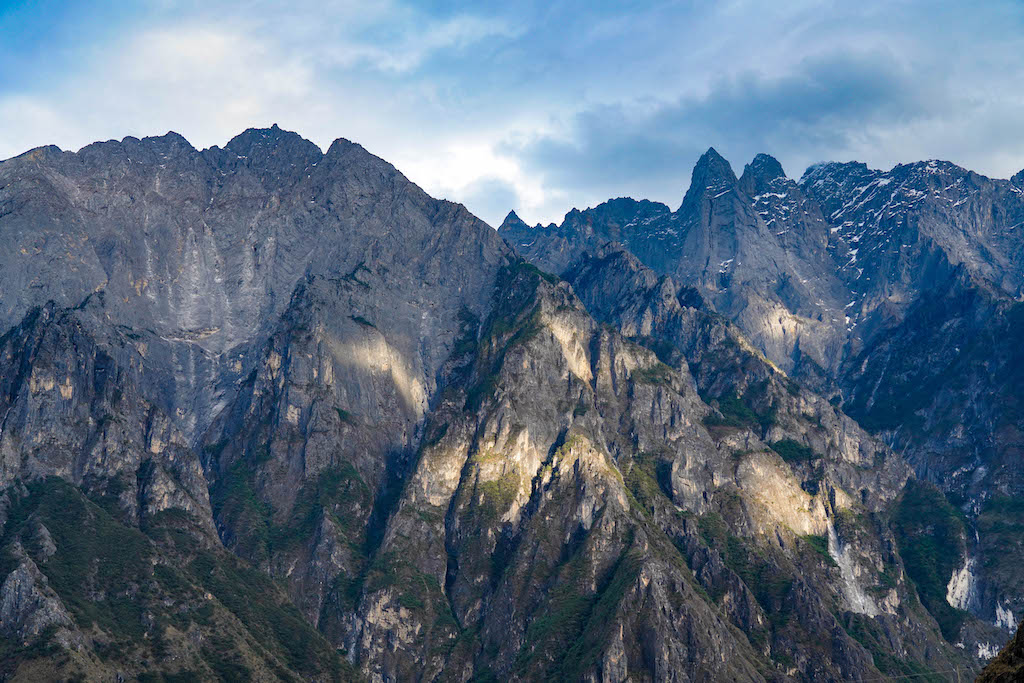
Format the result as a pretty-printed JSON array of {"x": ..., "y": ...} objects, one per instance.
[
  {"x": 755, "y": 247},
  {"x": 27, "y": 604},
  {"x": 198, "y": 253},
  {"x": 906, "y": 314},
  {"x": 271, "y": 413}
]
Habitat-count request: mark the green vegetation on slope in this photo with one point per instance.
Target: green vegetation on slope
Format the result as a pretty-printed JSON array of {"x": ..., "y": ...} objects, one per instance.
[
  {"x": 765, "y": 579},
  {"x": 866, "y": 631},
  {"x": 659, "y": 373},
  {"x": 793, "y": 451},
  {"x": 575, "y": 623},
  {"x": 931, "y": 539},
  {"x": 742, "y": 412},
  {"x": 144, "y": 590},
  {"x": 337, "y": 492},
  {"x": 1001, "y": 530}
]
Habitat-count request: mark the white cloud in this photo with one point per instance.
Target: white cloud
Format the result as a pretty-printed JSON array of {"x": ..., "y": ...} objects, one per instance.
[
  {"x": 457, "y": 100},
  {"x": 206, "y": 83},
  {"x": 415, "y": 44}
]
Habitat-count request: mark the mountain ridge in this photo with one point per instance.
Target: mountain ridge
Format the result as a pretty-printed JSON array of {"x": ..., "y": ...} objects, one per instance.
[
  {"x": 919, "y": 250},
  {"x": 269, "y": 366}
]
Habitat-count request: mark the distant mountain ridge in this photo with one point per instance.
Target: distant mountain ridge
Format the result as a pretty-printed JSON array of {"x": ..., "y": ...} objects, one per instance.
[{"x": 824, "y": 254}]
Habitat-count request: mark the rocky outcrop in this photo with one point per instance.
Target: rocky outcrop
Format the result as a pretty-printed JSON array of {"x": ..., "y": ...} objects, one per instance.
[
  {"x": 28, "y": 606},
  {"x": 755, "y": 247}
]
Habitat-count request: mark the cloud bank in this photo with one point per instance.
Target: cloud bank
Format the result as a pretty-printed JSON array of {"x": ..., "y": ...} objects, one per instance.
[{"x": 538, "y": 107}]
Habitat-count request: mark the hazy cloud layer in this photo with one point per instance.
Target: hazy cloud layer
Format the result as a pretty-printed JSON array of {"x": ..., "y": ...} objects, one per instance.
[{"x": 536, "y": 106}]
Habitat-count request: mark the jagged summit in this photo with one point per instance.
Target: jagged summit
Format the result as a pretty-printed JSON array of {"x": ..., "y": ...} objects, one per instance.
[
  {"x": 512, "y": 220},
  {"x": 37, "y": 153},
  {"x": 168, "y": 139},
  {"x": 153, "y": 149},
  {"x": 760, "y": 173},
  {"x": 833, "y": 168},
  {"x": 265, "y": 145},
  {"x": 712, "y": 176},
  {"x": 713, "y": 166},
  {"x": 930, "y": 167},
  {"x": 618, "y": 219},
  {"x": 765, "y": 166},
  {"x": 618, "y": 206},
  {"x": 345, "y": 151},
  {"x": 1018, "y": 179}
]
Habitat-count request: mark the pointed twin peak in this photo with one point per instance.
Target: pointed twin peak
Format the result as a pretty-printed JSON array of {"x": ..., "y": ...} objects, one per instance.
[
  {"x": 759, "y": 174},
  {"x": 712, "y": 167},
  {"x": 712, "y": 177}
]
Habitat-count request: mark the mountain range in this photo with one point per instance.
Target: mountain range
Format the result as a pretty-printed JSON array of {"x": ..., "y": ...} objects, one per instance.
[{"x": 270, "y": 413}]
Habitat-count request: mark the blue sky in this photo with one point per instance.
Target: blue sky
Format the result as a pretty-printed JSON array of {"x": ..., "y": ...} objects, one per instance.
[{"x": 536, "y": 106}]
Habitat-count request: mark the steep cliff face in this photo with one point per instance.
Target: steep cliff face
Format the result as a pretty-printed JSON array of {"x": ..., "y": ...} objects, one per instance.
[
  {"x": 943, "y": 389},
  {"x": 71, "y": 409},
  {"x": 587, "y": 522},
  {"x": 273, "y": 413},
  {"x": 755, "y": 247},
  {"x": 111, "y": 561},
  {"x": 199, "y": 252},
  {"x": 211, "y": 289},
  {"x": 910, "y": 283}
]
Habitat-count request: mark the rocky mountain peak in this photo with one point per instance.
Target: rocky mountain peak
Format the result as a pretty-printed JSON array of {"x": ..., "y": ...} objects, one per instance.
[
  {"x": 922, "y": 172},
  {"x": 169, "y": 142},
  {"x": 760, "y": 173},
  {"x": 712, "y": 176},
  {"x": 354, "y": 157},
  {"x": 170, "y": 138},
  {"x": 1018, "y": 179},
  {"x": 274, "y": 148},
  {"x": 833, "y": 169},
  {"x": 512, "y": 220},
  {"x": 831, "y": 184},
  {"x": 38, "y": 154},
  {"x": 134, "y": 152},
  {"x": 713, "y": 166}
]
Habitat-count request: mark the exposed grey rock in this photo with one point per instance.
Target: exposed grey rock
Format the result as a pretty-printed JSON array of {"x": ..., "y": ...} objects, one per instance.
[
  {"x": 459, "y": 466},
  {"x": 198, "y": 253},
  {"x": 755, "y": 247},
  {"x": 28, "y": 606},
  {"x": 890, "y": 286}
]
